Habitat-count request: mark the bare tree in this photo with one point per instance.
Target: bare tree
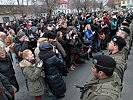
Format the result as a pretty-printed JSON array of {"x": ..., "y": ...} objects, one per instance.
[
  {"x": 18, "y": 2},
  {"x": 50, "y": 5},
  {"x": 83, "y": 5}
]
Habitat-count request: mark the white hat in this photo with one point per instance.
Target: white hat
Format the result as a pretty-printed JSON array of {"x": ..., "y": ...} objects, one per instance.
[{"x": 114, "y": 17}]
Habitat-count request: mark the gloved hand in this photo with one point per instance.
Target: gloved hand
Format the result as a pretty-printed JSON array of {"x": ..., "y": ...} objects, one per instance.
[{"x": 40, "y": 63}]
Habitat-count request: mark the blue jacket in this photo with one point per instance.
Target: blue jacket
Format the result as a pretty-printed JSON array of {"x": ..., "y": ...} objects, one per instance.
[
  {"x": 113, "y": 24},
  {"x": 88, "y": 34}
]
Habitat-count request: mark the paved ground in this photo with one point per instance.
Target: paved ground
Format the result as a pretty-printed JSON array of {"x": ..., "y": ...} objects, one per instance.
[
  {"x": 127, "y": 93},
  {"x": 81, "y": 75}
]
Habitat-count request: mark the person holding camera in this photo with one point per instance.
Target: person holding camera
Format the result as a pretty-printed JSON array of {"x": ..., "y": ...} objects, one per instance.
[{"x": 21, "y": 44}]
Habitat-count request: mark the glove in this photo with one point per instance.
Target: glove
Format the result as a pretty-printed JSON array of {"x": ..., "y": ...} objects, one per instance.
[
  {"x": 40, "y": 63},
  {"x": 14, "y": 88}
]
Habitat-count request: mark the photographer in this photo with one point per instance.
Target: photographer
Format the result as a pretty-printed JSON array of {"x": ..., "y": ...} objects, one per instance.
[{"x": 21, "y": 43}]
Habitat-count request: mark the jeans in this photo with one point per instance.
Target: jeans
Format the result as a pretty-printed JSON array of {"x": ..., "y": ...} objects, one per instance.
[
  {"x": 54, "y": 98},
  {"x": 14, "y": 57}
]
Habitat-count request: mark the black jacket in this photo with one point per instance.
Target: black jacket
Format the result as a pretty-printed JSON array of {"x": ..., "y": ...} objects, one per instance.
[
  {"x": 20, "y": 46},
  {"x": 6, "y": 68},
  {"x": 5, "y": 86},
  {"x": 52, "y": 62}
]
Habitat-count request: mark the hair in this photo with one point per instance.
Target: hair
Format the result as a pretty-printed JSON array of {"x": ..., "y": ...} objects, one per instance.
[
  {"x": 119, "y": 47},
  {"x": 58, "y": 34},
  {"x": 63, "y": 22},
  {"x": 108, "y": 72},
  {"x": 88, "y": 27},
  {"x": 24, "y": 53}
]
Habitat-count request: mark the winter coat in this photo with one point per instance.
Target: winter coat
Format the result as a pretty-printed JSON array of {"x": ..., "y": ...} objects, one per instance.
[
  {"x": 88, "y": 34},
  {"x": 59, "y": 48},
  {"x": 20, "y": 47},
  {"x": 6, "y": 68},
  {"x": 5, "y": 86},
  {"x": 52, "y": 63},
  {"x": 35, "y": 81}
]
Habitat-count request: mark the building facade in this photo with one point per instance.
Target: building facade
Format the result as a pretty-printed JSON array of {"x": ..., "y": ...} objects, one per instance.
[{"x": 127, "y": 4}]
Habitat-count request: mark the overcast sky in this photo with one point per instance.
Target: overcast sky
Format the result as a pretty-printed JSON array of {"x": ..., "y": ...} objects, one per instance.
[
  {"x": 10, "y": 2},
  {"x": 14, "y": 1}
]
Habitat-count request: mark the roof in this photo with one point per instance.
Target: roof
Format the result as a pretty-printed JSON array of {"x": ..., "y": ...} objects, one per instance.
[{"x": 62, "y": 1}]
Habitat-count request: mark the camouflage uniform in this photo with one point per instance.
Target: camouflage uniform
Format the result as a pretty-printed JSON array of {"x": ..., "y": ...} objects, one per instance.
[
  {"x": 105, "y": 89},
  {"x": 121, "y": 64}
]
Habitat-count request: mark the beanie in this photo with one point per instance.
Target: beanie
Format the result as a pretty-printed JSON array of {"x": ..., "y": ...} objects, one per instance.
[
  {"x": 45, "y": 46},
  {"x": 119, "y": 41},
  {"x": 104, "y": 62},
  {"x": 127, "y": 30},
  {"x": 52, "y": 36},
  {"x": 125, "y": 24},
  {"x": 19, "y": 35}
]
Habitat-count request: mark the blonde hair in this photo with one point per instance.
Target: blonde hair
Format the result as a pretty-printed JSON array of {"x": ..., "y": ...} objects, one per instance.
[
  {"x": 87, "y": 27},
  {"x": 24, "y": 53}
]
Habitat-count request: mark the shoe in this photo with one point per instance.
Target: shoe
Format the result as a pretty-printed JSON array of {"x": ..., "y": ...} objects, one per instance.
[
  {"x": 61, "y": 96},
  {"x": 71, "y": 68},
  {"x": 64, "y": 74}
]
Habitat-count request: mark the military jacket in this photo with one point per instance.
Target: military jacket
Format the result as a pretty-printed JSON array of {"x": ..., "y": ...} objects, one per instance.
[
  {"x": 105, "y": 89},
  {"x": 121, "y": 64}
]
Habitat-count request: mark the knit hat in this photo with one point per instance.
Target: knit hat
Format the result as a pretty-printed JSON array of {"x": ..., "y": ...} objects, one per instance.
[
  {"x": 125, "y": 24},
  {"x": 127, "y": 30},
  {"x": 52, "y": 35},
  {"x": 19, "y": 35},
  {"x": 104, "y": 62},
  {"x": 119, "y": 41},
  {"x": 45, "y": 46}
]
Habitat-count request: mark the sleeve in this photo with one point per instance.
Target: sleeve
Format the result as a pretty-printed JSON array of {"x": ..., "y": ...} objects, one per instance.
[
  {"x": 59, "y": 60},
  {"x": 89, "y": 34},
  {"x": 6, "y": 83},
  {"x": 24, "y": 46},
  {"x": 61, "y": 50},
  {"x": 19, "y": 48},
  {"x": 32, "y": 74},
  {"x": 81, "y": 54}
]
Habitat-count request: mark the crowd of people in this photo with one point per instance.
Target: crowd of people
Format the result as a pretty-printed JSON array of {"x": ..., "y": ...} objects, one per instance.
[{"x": 47, "y": 48}]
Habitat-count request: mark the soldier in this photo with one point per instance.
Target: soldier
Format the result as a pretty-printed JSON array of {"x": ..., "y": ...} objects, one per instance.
[
  {"x": 125, "y": 33},
  {"x": 105, "y": 85},
  {"x": 115, "y": 46}
]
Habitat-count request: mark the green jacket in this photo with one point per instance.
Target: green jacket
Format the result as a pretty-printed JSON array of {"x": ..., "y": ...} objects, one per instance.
[
  {"x": 105, "y": 89},
  {"x": 36, "y": 84},
  {"x": 121, "y": 64}
]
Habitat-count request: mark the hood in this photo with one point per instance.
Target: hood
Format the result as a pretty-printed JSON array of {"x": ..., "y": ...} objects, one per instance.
[
  {"x": 45, "y": 46},
  {"x": 25, "y": 63}
]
